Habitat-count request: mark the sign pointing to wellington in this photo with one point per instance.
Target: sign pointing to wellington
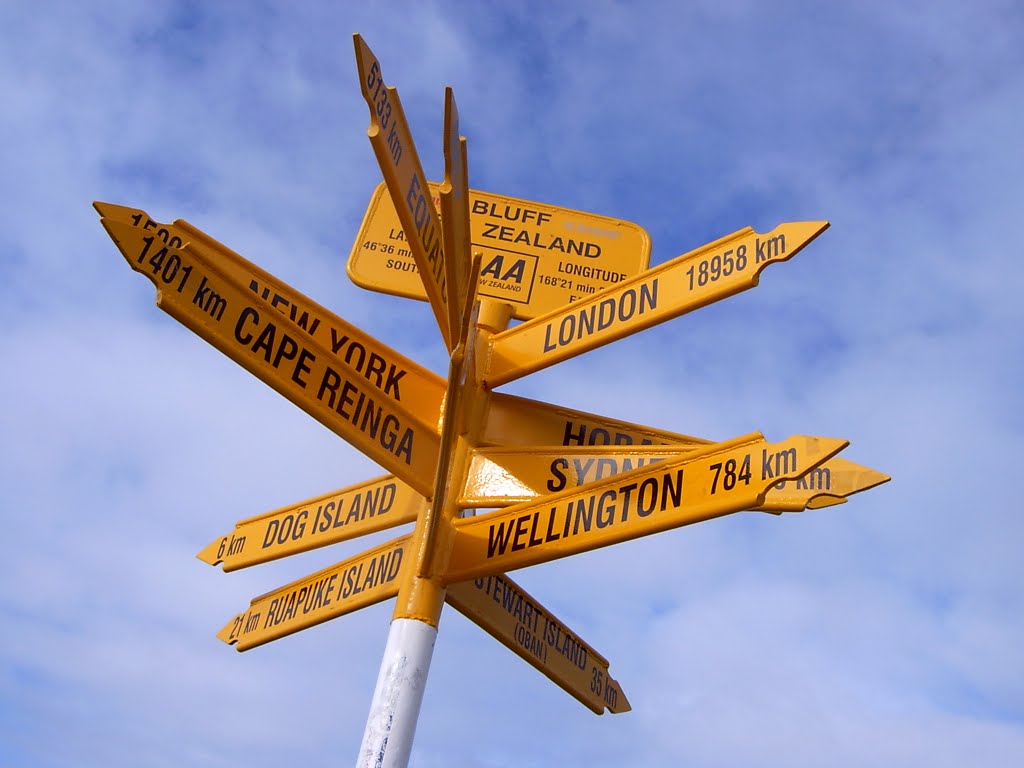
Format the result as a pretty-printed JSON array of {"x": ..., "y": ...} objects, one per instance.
[{"x": 700, "y": 485}]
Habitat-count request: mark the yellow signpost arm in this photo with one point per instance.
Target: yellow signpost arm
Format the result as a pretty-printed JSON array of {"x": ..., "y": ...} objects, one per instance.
[
  {"x": 396, "y": 153},
  {"x": 354, "y": 583},
  {"x": 499, "y": 477},
  {"x": 700, "y": 485},
  {"x": 454, "y": 196},
  {"x": 507, "y": 612},
  {"x": 376, "y": 505},
  {"x": 695, "y": 279},
  {"x": 218, "y": 304}
]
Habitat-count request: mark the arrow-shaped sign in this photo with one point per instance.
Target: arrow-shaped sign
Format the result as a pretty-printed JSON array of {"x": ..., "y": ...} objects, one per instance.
[
  {"x": 507, "y": 612},
  {"x": 710, "y": 273},
  {"x": 375, "y": 505},
  {"x": 355, "y": 583},
  {"x": 519, "y": 421},
  {"x": 357, "y": 397},
  {"x": 706, "y": 483},
  {"x": 454, "y": 196},
  {"x": 399, "y": 162}
]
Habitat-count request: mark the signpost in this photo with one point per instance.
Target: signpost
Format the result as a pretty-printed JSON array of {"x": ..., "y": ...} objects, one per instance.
[
  {"x": 562, "y": 481},
  {"x": 521, "y": 623}
]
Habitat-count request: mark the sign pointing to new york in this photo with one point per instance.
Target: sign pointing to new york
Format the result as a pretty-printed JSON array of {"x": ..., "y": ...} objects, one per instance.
[
  {"x": 700, "y": 485},
  {"x": 695, "y": 279},
  {"x": 211, "y": 294}
]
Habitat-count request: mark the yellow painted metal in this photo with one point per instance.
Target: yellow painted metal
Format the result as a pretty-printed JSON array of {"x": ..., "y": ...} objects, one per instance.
[
  {"x": 454, "y": 198},
  {"x": 375, "y": 505},
  {"x": 395, "y": 376},
  {"x": 355, "y": 386},
  {"x": 499, "y": 477},
  {"x": 392, "y": 143},
  {"x": 421, "y": 593},
  {"x": 824, "y": 486},
  {"x": 514, "y": 420},
  {"x": 536, "y": 257},
  {"x": 712, "y": 272},
  {"x": 517, "y": 620},
  {"x": 710, "y": 482},
  {"x": 355, "y": 583}
]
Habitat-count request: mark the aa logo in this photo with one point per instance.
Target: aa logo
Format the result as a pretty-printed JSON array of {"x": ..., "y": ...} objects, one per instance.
[{"x": 508, "y": 276}]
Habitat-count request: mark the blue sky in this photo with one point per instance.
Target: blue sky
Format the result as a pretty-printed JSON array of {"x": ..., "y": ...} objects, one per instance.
[{"x": 884, "y": 632}]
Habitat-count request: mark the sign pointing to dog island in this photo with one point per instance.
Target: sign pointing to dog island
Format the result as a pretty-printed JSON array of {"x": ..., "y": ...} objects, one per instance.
[{"x": 721, "y": 479}]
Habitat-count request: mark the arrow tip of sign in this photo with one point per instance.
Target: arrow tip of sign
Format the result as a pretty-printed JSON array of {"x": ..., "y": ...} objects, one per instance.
[
  {"x": 111, "y": 211},
  {"x": 225, "y": 634},
  {"x": 208, "y": 554},
  {"x": 622, "y": 704}
]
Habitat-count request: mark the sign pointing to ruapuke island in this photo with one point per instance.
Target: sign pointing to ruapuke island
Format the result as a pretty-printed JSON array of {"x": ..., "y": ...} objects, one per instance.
[{"x": 558, "y": 481}]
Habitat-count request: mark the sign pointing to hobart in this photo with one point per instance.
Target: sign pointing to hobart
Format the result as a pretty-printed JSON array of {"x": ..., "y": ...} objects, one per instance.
[{"x": 710, "y": 273}]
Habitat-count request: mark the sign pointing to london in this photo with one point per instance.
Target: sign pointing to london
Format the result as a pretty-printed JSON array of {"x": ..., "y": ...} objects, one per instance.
[
  {"x": 701, "y": 485},
  {"x": 715, "y": 271}
]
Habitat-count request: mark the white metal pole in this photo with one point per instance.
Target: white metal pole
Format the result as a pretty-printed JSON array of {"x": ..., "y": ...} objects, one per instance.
[{"x": 395, "y": 708}]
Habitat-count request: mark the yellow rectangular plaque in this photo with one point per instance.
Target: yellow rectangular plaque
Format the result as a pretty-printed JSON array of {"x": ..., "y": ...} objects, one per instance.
[{"x": 535, "y": 256}]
